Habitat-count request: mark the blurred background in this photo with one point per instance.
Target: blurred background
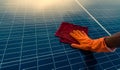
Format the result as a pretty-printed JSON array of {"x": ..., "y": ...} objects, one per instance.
[{"x": 27, "y": 28}]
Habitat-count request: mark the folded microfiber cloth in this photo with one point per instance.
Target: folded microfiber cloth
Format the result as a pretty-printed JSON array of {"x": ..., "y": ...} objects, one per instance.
[{"x": 65, "y": 29}]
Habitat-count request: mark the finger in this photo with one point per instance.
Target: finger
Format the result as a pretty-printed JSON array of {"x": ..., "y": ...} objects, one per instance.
[
  {"x": 80, "y": 33},
  {"x": 77, "y": 33},
  {"x": 86, "y": 35},
  {"x": 83, "y": 33},
  {"x": 73, "y": 35},
  {"x": 74, "y": 31},
  {"x": 75, "y": 46}
]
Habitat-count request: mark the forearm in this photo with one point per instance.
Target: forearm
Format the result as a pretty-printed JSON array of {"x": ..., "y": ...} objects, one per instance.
[
  {"x": 109, "y": 42},
  {"x": 112, "y": 42}
]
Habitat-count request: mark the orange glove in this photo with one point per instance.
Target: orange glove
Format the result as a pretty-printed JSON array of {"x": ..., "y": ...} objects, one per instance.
[{"x": 86, "y": 43}]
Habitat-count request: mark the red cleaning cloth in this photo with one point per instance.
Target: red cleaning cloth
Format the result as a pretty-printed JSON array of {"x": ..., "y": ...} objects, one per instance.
[{"x": 65, "y": 29}]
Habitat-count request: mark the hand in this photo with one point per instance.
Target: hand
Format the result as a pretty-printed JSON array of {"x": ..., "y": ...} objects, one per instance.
[
  {"x": 82, "y": 38},
  {"x": 94, "y": 45}
]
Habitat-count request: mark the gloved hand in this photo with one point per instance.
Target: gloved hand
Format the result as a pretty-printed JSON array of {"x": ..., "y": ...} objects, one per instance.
[{"x": 86, "y": 43}]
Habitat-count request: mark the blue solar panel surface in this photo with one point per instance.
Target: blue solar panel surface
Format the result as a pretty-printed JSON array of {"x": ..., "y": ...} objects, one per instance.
[{"x": 27, "y": 41}]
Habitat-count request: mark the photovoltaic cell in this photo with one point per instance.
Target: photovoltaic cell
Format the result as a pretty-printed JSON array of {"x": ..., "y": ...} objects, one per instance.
[{"x": 28, "y": 42}]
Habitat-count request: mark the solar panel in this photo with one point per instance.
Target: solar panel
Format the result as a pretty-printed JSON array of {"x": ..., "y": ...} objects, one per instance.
[{"x": 27, "y": 40}]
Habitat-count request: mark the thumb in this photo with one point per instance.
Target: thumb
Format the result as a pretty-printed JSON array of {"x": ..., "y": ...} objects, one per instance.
[
  {"x": 76, "y": 46},
  {"x": 83, "y": 47}
]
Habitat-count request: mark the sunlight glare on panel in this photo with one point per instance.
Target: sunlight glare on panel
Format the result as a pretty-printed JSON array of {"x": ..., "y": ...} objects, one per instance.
[{"x": 38, "y": 5}]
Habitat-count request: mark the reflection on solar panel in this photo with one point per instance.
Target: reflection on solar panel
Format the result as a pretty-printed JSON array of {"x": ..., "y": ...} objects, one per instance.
[{"x": 27, "y": 40}]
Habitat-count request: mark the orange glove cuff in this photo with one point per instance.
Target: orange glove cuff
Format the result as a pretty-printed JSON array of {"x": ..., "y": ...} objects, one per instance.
[{"x": 99, "y": 45}]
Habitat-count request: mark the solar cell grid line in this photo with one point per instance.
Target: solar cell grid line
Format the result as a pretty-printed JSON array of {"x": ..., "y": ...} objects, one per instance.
[
  {"x": 7, "y": 61},
  {"x": 112, "y": 63},
  {"x": 39, "y": 31},
  {"x": 92, "y": 16},
  {"x": 9, "y": 56},
  {"x": 4, "y": 67},
  {"x": 29, "y": 44},
  {"x": 110, "y": 60},
  {"x": 16, "y": 61},
  {"x": 6, "y": 54},
  {"x": 113, "y": 59},
  {"x": 22, "y": 41},
  {"x": 109, "y": 21},
  {"x": 7, "y": 40},
  {"x": 12, "y": 50},
  {"x": 62, "y": 44},
  {"x": 2, "y": 16},
  {"x": 112, "y": 67},
  {"x": 71, "y": 18},
  {"x": 36, "y": 42},
  {"x": 43, "y": 15}
]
